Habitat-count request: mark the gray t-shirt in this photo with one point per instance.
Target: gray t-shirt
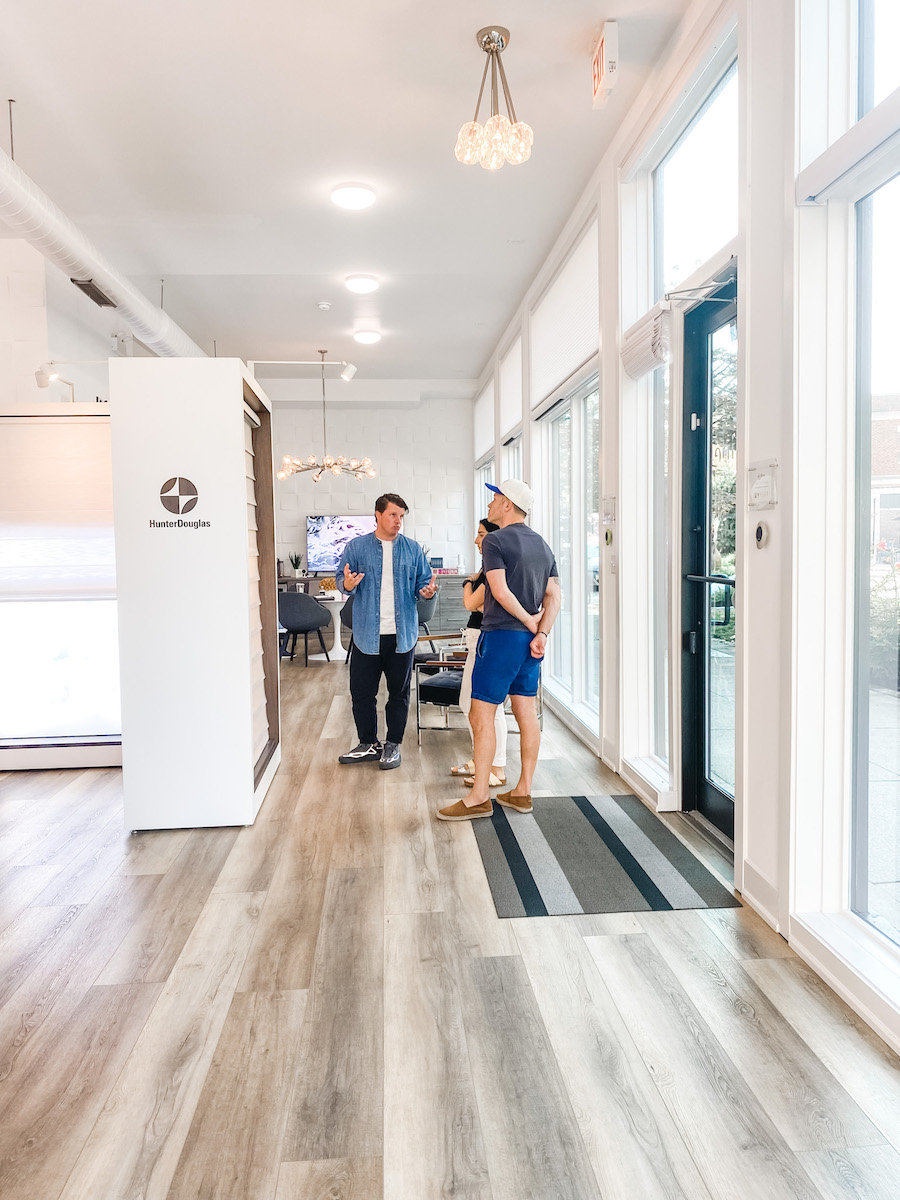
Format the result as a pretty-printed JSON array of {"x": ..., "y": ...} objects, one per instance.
[{"x": 528, "y": 562}]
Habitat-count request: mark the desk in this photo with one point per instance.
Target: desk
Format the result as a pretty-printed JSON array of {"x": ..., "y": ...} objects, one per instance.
[{"x": 294, "y": 583}]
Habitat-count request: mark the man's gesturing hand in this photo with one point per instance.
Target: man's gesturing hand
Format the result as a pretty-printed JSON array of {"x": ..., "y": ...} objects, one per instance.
[
  {"x": 351, "y": 580},
  {"x": 429, "y": 589}
]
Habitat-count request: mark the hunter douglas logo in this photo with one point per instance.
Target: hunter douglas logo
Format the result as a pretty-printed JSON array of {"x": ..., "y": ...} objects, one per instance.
[{"x": 178, "y": 495}]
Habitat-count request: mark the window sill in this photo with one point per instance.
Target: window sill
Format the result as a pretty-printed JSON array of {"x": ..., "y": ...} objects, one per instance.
[
  {"x": 857, "y": 961},
  {"x": 651, "y": 781},
  {"x": 581, "y": 719}
]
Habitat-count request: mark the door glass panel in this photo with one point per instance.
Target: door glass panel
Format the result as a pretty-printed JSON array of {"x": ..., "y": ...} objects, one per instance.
[
  {"x": 660, "y": 563},
  {"x": 592, "y": 548},
  {"x": 721, "y": 522},
  {"x": 876, "y": 838}
]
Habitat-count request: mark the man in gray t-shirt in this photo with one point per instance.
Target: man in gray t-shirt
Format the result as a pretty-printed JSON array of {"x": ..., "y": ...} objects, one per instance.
[
  {"x": 521, "y": 602},
  {"x": 528, "y": 562}
]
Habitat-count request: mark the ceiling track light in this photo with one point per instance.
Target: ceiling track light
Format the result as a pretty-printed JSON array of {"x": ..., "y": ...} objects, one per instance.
[
  {"x": 47, "y": 374},
  {"x": 501, "y": 139},
  {"x": 360, "y": 468}
]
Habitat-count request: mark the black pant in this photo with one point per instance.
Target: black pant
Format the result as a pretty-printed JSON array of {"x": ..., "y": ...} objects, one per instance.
[{"x": 365, "y": 676}]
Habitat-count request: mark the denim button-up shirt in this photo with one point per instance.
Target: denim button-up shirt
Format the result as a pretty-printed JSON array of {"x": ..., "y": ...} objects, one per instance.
[{"x": 411, "y": 574}]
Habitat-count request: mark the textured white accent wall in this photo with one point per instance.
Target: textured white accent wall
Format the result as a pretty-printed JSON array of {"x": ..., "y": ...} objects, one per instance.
[
  {"x": 23, "y": 323},
  {"x": 421, "y": 450}
]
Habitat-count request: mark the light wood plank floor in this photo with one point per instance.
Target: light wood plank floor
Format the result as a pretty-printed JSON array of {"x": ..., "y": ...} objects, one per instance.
[{"x": 325, "y": 1006}]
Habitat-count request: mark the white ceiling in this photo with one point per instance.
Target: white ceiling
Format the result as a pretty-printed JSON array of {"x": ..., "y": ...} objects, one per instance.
[{"x": 198, "y": 140}]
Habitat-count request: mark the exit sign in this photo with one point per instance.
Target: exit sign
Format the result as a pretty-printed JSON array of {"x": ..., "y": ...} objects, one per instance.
[{"x": 605, "y": 63}]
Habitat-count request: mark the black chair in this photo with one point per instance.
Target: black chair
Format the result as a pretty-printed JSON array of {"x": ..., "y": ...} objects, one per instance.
[
  {"x": 426, "y": 612},
  {"x": 437, "y": 685},
  {"x": 301, "y": 613}
]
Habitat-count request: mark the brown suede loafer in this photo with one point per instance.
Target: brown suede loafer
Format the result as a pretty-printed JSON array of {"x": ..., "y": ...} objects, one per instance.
[
  {"x": 461, "y": 812},
  {"x": 521, "y": 804}
]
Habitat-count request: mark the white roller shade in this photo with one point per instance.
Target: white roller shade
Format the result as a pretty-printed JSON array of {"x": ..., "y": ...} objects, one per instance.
[
  {"x": 484, "y": 421},
  {"x": 647, "y": 344},
  {"x": 565, "y": 325},
  {"x": 56, "y": 531},
  {"x": 511, "y": 388}
]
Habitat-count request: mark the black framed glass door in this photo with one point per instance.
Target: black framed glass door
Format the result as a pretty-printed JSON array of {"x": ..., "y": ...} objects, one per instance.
[{"x": 709, "y": 485}]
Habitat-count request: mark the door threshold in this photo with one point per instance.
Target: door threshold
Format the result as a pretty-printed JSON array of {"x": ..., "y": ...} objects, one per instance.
[{"x": 721, "y": 840}]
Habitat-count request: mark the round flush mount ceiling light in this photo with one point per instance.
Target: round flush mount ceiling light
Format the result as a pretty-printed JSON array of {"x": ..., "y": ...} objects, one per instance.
[
  {"x": 353, "y": 195},
  {"x": 362, "y": 284},
  {"x": 367, "y": 337}
]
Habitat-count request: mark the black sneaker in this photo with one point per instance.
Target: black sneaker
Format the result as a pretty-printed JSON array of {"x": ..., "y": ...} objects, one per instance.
[
  {"x": 364, "y": 752},
  {"x": 390, "y": 756}
]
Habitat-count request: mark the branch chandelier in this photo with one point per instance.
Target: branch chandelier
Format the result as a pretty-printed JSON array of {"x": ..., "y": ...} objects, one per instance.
[
  {"x": 358, "y": 467},
  {"x": 500, "y": 139}
]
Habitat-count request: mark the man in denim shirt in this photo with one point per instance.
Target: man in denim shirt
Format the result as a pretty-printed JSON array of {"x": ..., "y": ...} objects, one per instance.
[{"x": 385, "y": 572}]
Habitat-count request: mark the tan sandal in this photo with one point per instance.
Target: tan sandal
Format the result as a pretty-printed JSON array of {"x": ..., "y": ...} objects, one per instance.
[
  {"x": 493, "y": 781},
  {"x": 466, "y": 769}
]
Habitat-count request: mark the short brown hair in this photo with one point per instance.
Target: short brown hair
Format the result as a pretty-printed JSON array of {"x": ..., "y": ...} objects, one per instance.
[{"x": 390, "y": 498}]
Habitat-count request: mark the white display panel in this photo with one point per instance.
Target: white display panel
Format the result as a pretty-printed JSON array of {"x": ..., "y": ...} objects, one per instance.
[{"x": 186, "y": 632}]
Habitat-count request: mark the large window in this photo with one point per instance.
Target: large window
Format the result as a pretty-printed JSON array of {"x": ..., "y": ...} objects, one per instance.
[
  {"x": 512, "y": 458},
  {"x": 879, "y": 64},
  {"x": 484, "y": 474},
  {"x": 570, "y": 438},
  {"x": 695, "y": 189},
  {"x": 559, "y": 658},
  {"x": 875, "y": 882},
  {"x": 58, "y": 633}
]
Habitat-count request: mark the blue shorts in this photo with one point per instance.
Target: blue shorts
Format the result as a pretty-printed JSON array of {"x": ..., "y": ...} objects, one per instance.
[{"x": 504, "y": 666}]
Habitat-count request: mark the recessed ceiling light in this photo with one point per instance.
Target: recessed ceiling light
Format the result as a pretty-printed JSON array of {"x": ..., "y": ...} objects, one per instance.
[
  {"x": 363, "y": 284},
  {"x": 368, "y": 337},
  {"x": 353, "y": 195}
]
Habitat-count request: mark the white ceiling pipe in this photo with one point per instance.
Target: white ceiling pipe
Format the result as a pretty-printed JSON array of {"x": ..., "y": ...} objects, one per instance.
[{"x": 25, "y": 209}]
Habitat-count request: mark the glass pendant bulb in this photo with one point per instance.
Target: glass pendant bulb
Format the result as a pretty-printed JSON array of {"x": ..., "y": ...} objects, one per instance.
[
  {"x": 520, "y": 141},
  {"x": 468, "y": 143},
  {"x": 492, "y": 157},
  {"x": 496, "y": 130}
]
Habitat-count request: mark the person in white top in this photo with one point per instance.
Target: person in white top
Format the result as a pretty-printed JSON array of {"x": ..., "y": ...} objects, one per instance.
[{"x": 386, "y": 573}]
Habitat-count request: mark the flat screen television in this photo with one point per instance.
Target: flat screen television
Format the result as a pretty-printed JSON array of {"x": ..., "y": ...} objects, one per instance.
[{"x": 326, "y": 538}]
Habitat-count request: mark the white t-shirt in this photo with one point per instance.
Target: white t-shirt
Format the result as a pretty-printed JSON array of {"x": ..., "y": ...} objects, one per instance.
[{"x": 388, "y": 622}]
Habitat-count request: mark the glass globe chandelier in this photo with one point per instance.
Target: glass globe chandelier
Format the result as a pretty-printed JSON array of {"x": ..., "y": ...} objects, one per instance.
[
  {"x": 360, "y": 468},
  {"x": 500, "y": 139}
]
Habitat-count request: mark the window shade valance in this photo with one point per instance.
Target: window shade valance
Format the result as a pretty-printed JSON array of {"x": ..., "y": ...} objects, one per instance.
[{"x": 646, "y": 345}]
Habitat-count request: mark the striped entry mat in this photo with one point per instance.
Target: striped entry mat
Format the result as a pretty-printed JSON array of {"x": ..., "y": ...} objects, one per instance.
[{"x": 590, "y": 854}]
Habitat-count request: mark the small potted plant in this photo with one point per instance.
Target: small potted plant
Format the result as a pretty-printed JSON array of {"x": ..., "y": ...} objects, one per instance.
[{"x": 296, "y": 561}]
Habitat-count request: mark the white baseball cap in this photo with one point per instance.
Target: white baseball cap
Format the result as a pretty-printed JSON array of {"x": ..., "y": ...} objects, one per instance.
[{"x": 514, "y": 489}]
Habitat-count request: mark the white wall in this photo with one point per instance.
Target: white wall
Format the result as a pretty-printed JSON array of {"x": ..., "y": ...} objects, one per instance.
[
  {"x": 421, "y": 448},
  {"x": 45, "y": 318},
  {"x": 23, "y": 322}
]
